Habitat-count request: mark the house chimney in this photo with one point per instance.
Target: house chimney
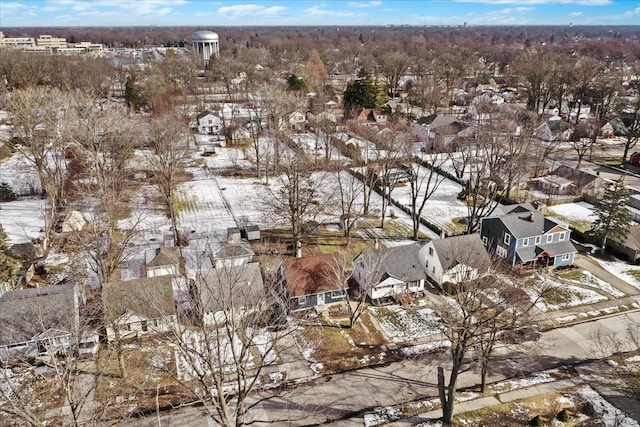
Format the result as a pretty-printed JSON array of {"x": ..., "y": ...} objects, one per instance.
[
  {"x": 376, "y": 244},
  {"x": 531, "y": 217},
  {"x": 298, "y": 250}
]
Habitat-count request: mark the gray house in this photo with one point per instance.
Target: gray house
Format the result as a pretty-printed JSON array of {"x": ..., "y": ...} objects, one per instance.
[
  {"x": 526, "y": 238},
  {"x": 312, "y": 281},
  {"x": 629, "y": 247},
  {"x": 43, "y": 321},
  {"x": 454, "y": 259},
  {"x": 228, "y": 289},
  {"x": 387, "y": 272}
]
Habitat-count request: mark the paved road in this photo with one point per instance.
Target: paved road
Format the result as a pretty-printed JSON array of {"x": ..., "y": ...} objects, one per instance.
[{"x": 341, "y": 399}]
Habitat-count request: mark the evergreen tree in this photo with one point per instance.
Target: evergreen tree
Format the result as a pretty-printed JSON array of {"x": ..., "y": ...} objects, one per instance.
[
  {"x": 363, "y": 92},
  {"x": 132, "y": 94},
  {"x": 296, "y": 83},
  {"x": 613, "y": 217},
  {"x": 6, "y": 193}
]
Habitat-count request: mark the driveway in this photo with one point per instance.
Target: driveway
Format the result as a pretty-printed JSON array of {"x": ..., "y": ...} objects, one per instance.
[{"x": 592, "y": 266}]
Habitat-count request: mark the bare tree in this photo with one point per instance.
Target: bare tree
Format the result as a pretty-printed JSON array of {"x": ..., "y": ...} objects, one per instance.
[
  {"x": 630, "y": 116},
  {"x": 423, "y": 183},
  {"x": 475, "y": 316},
  {"x": 296, "y": 197},
  {"x": 393, "y": 67},
  {"x": 349, "y": 192},
  {"x": 169, "y": 139},
  {"x": 223, "y": 353},
  {"x": 277, "y": 103},
  {"x": 37, "y": 115}
]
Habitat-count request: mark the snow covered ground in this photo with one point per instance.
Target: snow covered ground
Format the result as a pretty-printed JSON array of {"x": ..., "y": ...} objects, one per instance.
[
  {"x": 580, "y": 214},
  {"x": 571, "y": 295},
  {"x": 591, "y": 280},
  {"x": 627, "y": 272},
  {"x": 443, "y": 206},
  {"x": 403, "y": 325},
  {"x": 21, "y": 175},
  {"x": 316, "y": 146},
  {"x": 22, "y": 220}
]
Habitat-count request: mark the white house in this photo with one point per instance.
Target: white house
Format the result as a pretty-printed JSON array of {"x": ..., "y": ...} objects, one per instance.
[
  {"x": 162, "y": 262},
  {"x": 387, "y": 272},
  {"x": 294, "y": 121},
  {"x": 139, "y": 307},
  {"x": 208, "y": 123},
  {"x": 454, "y": 259},
  {"x": 233, "y": 255}
]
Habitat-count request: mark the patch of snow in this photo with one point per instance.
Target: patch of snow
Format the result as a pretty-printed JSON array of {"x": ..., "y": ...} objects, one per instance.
[
  {"x": 622, "y": 269},
  {"x": 406, "y": 325},
  {"x": 22, "y": 220},
  {"x": 577, "y": 296},
  {"x": 426, "y": 347},
  {"x": 579, "y": 212},
  {"x": 317, "y": 367},
  {"x": 610, "y": 415}
]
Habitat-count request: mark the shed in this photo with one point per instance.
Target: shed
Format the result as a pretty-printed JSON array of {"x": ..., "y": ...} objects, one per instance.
[
  {"x": 233, "y": 233},
  {"x": 252, "y": 232}
]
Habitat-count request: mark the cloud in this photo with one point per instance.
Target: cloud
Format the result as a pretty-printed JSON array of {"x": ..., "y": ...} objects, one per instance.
[
  {"x": 241, "y": 10},
  {"x": 364, "y": 4},
  {"x": 533, "y": 2},
  {"x": 319, "y": 11},
  {"x": 575, "y": 14},
  {"x": 634, "y": 12}
]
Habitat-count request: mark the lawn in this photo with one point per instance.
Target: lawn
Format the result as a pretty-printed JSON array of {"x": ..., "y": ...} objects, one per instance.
[
  {"x": 406, "y": 325},
  {"x": 340, "y": 349}
]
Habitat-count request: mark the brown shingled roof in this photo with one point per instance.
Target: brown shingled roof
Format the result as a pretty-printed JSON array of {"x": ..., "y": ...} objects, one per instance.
[{"x": 312, "y": 275}]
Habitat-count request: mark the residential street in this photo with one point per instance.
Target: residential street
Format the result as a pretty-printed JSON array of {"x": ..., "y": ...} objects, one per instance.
[{"x": 344, "y": 397}]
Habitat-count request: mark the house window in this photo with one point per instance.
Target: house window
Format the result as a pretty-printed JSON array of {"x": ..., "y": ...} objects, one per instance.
[
  {"x": 485, "y": 241},
  {"x": 549, "y": 238},
  {"x": 525, "y": 242},
  {"x": 144, "y": 326},
  {"x": 501, "y": 252},
  {"x": 563, "y": 235},
  {"x": 537, "y": 240},
  {"x": 426, "y": 264},
  {"x": 336, "y": 294},
  {"x": 302, "y": 300},
  {"x": 430, "y": 251},
  {"x": 566, "y": 257},
  {"x": 433, "y": 270},
  {"x": 507, "y": 238}
]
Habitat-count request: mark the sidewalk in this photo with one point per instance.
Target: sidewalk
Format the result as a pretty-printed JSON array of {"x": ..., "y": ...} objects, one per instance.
[{"x": 488, "y": 401}]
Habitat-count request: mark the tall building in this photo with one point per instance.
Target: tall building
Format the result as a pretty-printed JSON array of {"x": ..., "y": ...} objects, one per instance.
[
  {"x": 51, "y": 42},
  {"x": 206, "y": 44}
]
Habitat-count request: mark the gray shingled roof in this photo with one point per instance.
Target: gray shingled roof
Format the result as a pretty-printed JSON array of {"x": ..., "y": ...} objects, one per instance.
[
  {"x": 233, "y": 250},
  {"x": 528, "y": 224},
  {"x": 230, "y": 287},
  {"x": 29, "y": 312},
  {"x": 400, "y": 262},
  {"x": 149, "y": 297},
  {"x": 529, "y": 253},
  {"x": 466, "y": 249}
]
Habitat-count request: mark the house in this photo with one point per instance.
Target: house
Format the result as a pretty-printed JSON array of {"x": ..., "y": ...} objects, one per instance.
[
  {"x": 40, "y": 322},
  {"x": 454, "y": 259},
  {"x": 312, "y": 281},
  {"x": 139, "y": 307},
  {"x": 607, "y": 131},
  {"x": 74, "y": 221},
  {"x": 554, "y": 185},
  {"x": 586, "y": 184},
  {"x": 386, "y": 272},
  {"x": 634, "y": 160},
  {"x": 371, "y": 117},
  {"x": 293, "y": 121},
  {"x": 162, "y": 262},
  {"x": 233, "y": 255},
  {"x": 526, "y": 238},
  {"x": 630, "y": 247},
  {"x": 208, "y": 123},
  {"x": 227, "y": 290}
]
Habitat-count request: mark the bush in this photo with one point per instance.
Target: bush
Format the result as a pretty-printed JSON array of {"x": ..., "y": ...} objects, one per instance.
[
  {"x": 449, "y": 288},
  {"x": 588, "y": 409},
  {"x": 535, "y": 421},
  {"x": 6, "y": 193},
  {"x": 563, "y": 416}
]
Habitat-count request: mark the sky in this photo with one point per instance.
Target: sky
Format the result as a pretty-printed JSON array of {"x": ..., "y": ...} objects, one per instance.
[{"x": 212, "y": 13}]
